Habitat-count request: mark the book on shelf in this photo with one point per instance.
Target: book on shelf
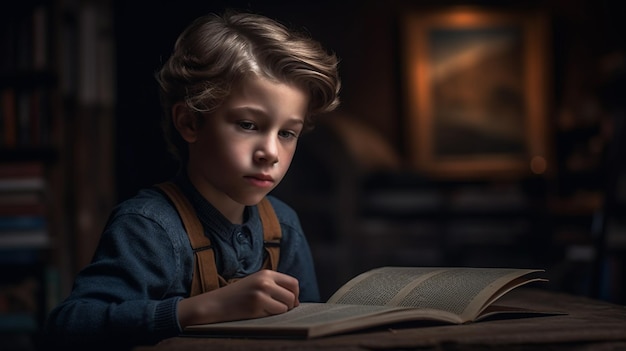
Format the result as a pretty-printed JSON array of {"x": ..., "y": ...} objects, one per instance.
[
  {"x": 23, "y": 231},
  {"x": 388, "y": 296},
  {"x": 9, "y": 118},
  {"x": 22, "y": 184},
  {"x": 26, "y": 118},
  {"x": 14, "y": 256},
  {"x": 19, "y": 198},
  {"x": 22, "y": 222},
  {"x": 21, "y": 169},
  {"x": 24, "y": 176},
  {"x": 24, "y": 238},
  {"x": 40, "y": 37},
  {"x": 22, "y": 209}
]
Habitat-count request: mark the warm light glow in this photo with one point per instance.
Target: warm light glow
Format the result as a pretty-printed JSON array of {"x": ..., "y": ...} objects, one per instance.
[
  {"x": 464, "y": 17},
  {"x": 538, "y": 165}
]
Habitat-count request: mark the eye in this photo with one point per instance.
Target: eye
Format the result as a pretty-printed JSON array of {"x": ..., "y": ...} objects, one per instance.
[
  {"x": 287, "y": 134},
  {"x": 246, "y": 125}
]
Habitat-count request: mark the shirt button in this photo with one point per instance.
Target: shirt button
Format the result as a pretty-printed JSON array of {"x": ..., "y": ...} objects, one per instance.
[{"x": 241, "y": 238}]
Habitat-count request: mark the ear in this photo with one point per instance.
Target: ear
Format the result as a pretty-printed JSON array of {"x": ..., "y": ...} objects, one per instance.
[{"x": 185, "y": 121}]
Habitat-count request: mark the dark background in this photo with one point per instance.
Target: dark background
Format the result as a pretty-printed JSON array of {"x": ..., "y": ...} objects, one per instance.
[{"x": 365, "y": 36}]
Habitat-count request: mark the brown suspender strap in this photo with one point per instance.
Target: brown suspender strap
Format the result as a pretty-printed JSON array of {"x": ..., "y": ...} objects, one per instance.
[
  {"x": 205, "y": 277},
  {"x": 201, "y": 245},
  {"x": 271, "y": 233}
]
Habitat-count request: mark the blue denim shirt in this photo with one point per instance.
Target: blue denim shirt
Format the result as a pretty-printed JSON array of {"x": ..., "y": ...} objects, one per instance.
[{"x": 143, "y": 266}]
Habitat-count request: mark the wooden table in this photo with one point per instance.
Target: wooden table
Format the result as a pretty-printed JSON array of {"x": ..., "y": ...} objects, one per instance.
[{"x": 588, "y": 325}]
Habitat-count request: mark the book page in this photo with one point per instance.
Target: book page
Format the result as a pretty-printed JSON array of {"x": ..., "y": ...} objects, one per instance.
[
  {"x": 306, "y": 320},
  {"x": 315, "y": 319},
  {"x": 448, "y": 289}
]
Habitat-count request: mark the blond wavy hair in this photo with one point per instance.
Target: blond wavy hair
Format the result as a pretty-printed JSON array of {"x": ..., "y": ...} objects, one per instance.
[{"x": 215, "y": 52}]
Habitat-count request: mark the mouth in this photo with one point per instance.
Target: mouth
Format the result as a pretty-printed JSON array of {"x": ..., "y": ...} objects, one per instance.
[{"x": 260, "y": 180}]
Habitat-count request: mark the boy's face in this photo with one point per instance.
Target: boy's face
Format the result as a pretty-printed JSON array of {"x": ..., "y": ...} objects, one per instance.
[{"x": 243, "y": 150}]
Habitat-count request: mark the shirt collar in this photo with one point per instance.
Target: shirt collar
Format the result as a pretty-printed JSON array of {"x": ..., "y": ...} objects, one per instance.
[{"x": 210, "y": 217}]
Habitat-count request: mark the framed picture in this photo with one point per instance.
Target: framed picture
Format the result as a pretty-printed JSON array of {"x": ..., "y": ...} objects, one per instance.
[{"x": 476, "y": 92}]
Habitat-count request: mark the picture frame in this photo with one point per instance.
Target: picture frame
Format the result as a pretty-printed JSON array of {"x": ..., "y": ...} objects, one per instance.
[{"x": 476, "y": 92}]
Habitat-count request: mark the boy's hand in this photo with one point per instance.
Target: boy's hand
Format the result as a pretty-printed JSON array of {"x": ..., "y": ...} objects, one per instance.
[{"x": 260, "y": 294}]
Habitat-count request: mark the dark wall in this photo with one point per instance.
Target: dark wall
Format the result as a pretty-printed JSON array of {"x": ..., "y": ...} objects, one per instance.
[{"x": 364, "y": 35}]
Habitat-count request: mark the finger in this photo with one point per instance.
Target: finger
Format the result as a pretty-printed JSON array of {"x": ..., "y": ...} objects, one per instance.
[
  {"x": 289, "y": 283},
  {"x": 280, "y": 294},
  {"x": 294, "y": 288},
  {"x": 273, "y": 306},
  {"x": 284, "y": 288}
]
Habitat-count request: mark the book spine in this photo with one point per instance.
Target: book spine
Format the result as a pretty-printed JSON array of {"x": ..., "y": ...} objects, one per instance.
[
  {"x": 21, "y": 169},
  {"x": 23, "y": 222},
  {"x": 25, "y": 117},
  {"x": 21, "y": 256},
  {"x": 21, "y": 184},
  {"x": 34, "y": 117},
  {"x": 9, "y": 114},
  {"x": 40, "y": 37},
  {"x": 37, "y": 238},
  {"x": 23, "y": 209},
  {"x": 19, "y": 198}
]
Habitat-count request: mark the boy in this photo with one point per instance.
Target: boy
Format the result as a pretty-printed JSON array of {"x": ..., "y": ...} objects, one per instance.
[{"x": 237, "y": 92}]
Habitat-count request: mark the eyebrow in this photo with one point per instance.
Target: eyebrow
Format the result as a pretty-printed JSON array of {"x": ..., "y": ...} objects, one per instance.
[
  {"x": 259, "y": 111},
  {"x": 296, "y": 120}
]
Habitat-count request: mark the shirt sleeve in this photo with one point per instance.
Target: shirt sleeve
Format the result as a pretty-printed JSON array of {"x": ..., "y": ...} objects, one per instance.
[{"x": 126, "y": 293}]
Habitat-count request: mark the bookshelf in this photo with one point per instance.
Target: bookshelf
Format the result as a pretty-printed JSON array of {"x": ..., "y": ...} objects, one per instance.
[
  {"x": 28, "y": 155},
  {"x": 56, "y": 147}
]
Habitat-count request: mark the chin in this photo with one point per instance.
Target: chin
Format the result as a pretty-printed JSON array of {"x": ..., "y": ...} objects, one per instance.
[{"x": 251, "y": 200}]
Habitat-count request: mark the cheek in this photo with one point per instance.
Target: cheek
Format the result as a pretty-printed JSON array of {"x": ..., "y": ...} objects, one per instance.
[
  {"x": 289, "y": 152},
  {"x": 286, "y": 156},
  {"x": 214, "y": 153},
  {"x": 230, "y": 153}
]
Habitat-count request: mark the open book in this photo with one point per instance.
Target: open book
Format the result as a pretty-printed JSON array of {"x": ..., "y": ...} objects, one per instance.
[{"x": 386, "y": 296}]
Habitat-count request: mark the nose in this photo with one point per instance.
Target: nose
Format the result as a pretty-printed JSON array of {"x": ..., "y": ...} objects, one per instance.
[{"x": 267, "y": 151}]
